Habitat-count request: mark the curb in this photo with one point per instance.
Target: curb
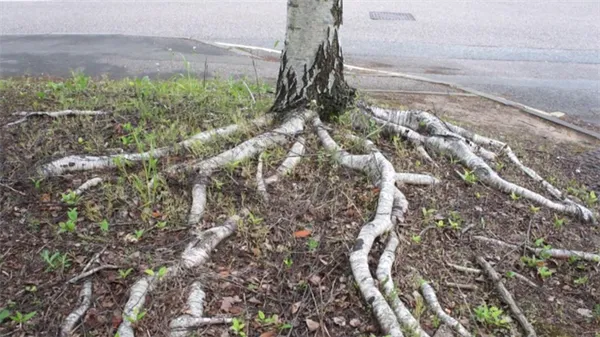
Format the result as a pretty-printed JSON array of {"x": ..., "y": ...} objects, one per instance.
[{"x": 525, "y": 108}]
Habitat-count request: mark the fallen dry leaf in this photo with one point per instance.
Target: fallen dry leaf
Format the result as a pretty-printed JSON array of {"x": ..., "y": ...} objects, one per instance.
[
  {"x": 296, "y": 307},
  {"x": 302, "y": 234},
  {"x": 45, "y": 197},
  {"x": 355, "y": 322},
  {"x": 315, "y": 280},
  {"x": 227, "y": 302},
  {"x": 312, "y": 325},
  {"x": 268, "y": 334}
]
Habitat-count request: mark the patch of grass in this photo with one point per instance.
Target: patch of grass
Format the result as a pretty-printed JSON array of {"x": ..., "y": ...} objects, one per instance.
[
  {"x": 491, "y": 316},
  {"x": 71, "y": 223},
  {"x": 55, "y": 261}
]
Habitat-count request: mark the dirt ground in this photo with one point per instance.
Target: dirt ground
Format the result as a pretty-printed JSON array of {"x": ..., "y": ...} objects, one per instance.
[{"x": 289, "y": 258}]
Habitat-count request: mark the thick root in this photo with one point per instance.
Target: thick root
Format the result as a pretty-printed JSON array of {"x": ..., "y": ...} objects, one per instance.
[
  {"x": 505, "y": 149},
  {"x": 84, "y": 163},
  {"x": 291, "y": 161},
  {"x": 194, "y": 255},
  {"x": 384, "y": 276},
  {"x": 434, "y": 305},
  {"x": 54, "y": 114},
  {"x": 382, "y": 171},
  {"x": 252, "y": 147},
  {"x": 506, "y": 296},
  {"x": 555, "y": 253},
  {"x": 440, "y": 138},
  {"x": 198, "y": 204},
  {"x": 85, "y": 298},
  {"x": 416, "y": 179},
  {"x": 399, "y": 207},
  {"x": 193, "y": 318}
]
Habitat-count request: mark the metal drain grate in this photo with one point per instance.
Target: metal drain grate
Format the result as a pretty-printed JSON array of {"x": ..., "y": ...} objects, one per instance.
[{"x": 391, "y": 16}]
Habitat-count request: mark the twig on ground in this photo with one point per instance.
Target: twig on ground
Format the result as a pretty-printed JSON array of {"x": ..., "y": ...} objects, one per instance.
[
  {"x": 462, "y": 286},
  {"x": 90, "y": 272},
  {"x": 525, "y": 279},
  {"x": 465, "y": 269},
  {"x": 506, "y": 296},
  {"x": 12, "y": 189}
]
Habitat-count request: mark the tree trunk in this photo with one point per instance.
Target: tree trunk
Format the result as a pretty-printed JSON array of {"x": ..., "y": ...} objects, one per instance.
[{"x": 312, "y": 62}]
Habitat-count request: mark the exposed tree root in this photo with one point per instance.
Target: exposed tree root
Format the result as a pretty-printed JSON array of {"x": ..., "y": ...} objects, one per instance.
[
  {"x": 54, "y": 114},
  {"x": 85, "y": 298},
  {"x": 252, "y": 147},
  {"x": 84, "y": 163},
  {"x": 292, "y": 160},
  {"x": 440, "y": 137},
  {"x": 381, "y": 171},
  {"x": 552, "y": 252},
  {"x": 193, "y": 318},
  {"x": 506, "y": 296},
  {"x": 399, "y": 207},
  {"x": 261, "y": 187},
  {"x": 198, "y": 204},
  {"x": 416, "y": 179},
  {"x": 88, "y": 184},
  {"x": 434, "y": 305},
  {"x": 384, "y": 276},
  {"x": 425, "y": 131},
  {"x": 196, "y": 253},
  {"x": 505, "y": 149}
]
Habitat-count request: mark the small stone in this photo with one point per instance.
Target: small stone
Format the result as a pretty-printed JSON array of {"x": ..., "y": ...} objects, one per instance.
[
  {"x": 587, "y": 313},
  {"x": 478, "y": 209},
  {"x": 312, "y": 325},
  {"x": 355, "y": 322},
  {"x": 341, "y": 321},
  {"x": 551, "y": 299},
  {"x": 566, "y": 287}
]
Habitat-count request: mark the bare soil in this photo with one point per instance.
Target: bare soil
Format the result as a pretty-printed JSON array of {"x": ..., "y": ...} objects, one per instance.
[{"x": 267, "y": 266}]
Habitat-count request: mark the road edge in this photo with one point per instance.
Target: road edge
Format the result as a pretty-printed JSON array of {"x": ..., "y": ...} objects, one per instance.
[{"x": 522, "y": 107}]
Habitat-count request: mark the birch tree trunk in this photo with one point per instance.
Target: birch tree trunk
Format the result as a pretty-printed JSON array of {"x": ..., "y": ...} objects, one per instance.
[{"x": 312, "y": 62}]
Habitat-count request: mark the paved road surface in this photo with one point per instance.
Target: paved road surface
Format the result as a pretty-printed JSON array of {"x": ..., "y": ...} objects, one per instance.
[{"x": 545, "y": 54}]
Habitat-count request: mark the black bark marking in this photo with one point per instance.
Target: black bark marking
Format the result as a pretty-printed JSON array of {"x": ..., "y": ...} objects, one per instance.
[
  {"x": 327, "y": 64},
  {"x": 358, "y": 245}
]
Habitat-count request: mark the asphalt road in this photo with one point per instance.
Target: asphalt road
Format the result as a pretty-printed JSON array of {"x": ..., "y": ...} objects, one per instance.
[{"x": 541, "y": 53}]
